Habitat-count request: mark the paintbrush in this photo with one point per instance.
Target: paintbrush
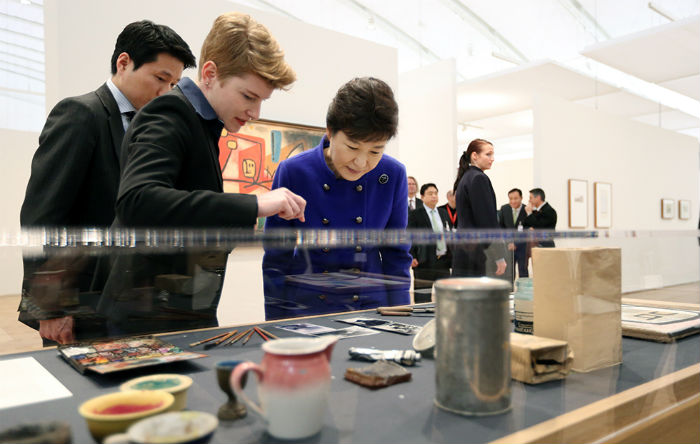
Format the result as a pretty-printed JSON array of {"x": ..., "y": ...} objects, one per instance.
[
  {"x": 269, "y": 335},
  {"x": 240, "y": 335},
  {"x": 221, "y": 340},
  {"x": 194, "y": 344}
]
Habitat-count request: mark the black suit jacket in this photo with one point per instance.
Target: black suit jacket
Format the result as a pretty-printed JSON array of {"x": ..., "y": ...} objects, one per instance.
[
  {"x": 544, "y": 219},
  {"x": 426, "y": 254},
  {"x": 74, "y": 181},
  {"x": 505, "y": 217},
  {"x": 75, "y": 170},
  {"x": 419, "y": 204}
]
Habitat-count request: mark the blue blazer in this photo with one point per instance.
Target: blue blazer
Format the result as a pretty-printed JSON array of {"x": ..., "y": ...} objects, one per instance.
[{"x": 376, "y": 201}]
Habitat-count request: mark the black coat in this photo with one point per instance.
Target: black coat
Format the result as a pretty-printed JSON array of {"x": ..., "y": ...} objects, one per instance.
[
  {"x": 170, "y": 171},
  {"x": 544, "y": 219},
  {"x": 426, "y": 254},
  {"x": 476, "y": 207},
  {"x": 73, "y": 183},
  {"x": 75, "y": 170},
  {"x": 505, "y": 217}
]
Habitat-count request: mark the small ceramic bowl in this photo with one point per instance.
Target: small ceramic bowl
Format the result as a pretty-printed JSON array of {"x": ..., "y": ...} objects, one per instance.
[
  {"x": 424, "y": 340},
  {"x": 115, "y": 412},
  {"x": 169, "y": 428},
  {"x": 176, "y": 385}
]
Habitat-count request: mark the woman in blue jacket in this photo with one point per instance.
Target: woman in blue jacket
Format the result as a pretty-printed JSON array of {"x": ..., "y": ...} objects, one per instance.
[{"x": 348, "y": 183}]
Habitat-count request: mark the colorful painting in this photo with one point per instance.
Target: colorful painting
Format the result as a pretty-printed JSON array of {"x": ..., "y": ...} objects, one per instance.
[{"x": 249, "y": 158}]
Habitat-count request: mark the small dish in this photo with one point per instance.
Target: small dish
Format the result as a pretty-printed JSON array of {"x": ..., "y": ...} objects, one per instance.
[
  {"x": 170, "y": 428},
  {"x": 424, "y": 341},
  {"x": 176, "y": 385},
  {"x": 115, "y": 412}
]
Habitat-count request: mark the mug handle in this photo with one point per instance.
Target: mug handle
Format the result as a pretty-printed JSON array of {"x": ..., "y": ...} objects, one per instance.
[{"x": 238, "y": 372}]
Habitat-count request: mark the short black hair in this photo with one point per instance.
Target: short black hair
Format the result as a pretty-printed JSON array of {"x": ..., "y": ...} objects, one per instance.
[
  {"x": 365, "y": 110},
  {"x": 425, "y": 187},
  {"x": 144, "y": 40},
  {"x": 516, "y": 190},
  {"x": 538, "y": 192}
]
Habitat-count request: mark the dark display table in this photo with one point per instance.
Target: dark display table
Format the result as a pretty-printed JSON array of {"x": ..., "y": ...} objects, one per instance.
[{"x": 401, "y": 413}]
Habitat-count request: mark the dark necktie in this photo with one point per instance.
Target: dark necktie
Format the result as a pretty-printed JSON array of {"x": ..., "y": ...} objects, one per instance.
[{"x": 129, "y": 115}]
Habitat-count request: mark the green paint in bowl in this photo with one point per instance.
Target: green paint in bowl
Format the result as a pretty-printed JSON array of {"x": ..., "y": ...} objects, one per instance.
[{"x": 156, "y": 384}]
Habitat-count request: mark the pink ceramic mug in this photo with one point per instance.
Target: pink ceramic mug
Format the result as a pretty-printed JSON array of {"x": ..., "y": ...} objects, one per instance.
[{"x": 294, "y": 380}]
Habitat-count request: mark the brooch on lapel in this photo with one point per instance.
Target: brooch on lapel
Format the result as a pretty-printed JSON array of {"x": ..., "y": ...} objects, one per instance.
[{"x": 384, "y": 178}]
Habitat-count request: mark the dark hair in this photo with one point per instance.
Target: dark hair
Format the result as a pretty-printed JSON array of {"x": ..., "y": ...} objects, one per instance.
[
  {"x": 144, "y": 40},
  {"x": 538, "y": 192},
  {"x": 365, "y": 110},
  {"x": 516, "y": 190},
  {"x": 425, "y": 187},
  {"x": 475, "y": 146}
]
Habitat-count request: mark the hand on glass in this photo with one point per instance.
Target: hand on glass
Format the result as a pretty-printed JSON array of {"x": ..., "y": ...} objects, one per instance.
[
  {"x": 414, "y": 263},
  {"x": 500, "y": 267},
  {"x": 58, "y": 329},
  {"x": 283, "y": 203}
]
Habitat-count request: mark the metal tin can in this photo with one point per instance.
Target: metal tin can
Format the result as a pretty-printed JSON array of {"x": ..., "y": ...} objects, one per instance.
[{"x": 472, "y": 346}]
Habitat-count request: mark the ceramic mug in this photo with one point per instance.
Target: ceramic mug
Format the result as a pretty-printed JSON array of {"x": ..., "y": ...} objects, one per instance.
[{"x": 294, "y": 380}]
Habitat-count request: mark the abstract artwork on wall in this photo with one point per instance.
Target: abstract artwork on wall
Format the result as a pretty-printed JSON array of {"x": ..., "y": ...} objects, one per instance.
[{"x": 249, "y": 158}]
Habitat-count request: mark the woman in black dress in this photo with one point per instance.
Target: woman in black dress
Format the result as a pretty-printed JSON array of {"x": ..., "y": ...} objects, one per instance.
[{"x": 476, "y": 206}]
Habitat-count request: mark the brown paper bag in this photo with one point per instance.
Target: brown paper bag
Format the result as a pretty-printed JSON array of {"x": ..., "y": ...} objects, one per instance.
[
  {"x": 577, "y": 294},
  {"x": 534, "y": 359}
]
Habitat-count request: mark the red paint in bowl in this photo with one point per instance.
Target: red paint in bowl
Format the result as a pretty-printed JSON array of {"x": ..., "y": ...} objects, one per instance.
[{"x": 123, "y": 409}]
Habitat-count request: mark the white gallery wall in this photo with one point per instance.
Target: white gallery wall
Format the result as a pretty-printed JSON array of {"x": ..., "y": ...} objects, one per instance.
[
  {"x": 17, "y": 150},
  {"x": 508, "y": 174},
  {"x": 427, "y": 122},
  {"x": 643, "y": 163}
]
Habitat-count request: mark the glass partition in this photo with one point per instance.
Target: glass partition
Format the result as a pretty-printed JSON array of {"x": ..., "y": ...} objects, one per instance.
[{"x": 135, "y": 281}]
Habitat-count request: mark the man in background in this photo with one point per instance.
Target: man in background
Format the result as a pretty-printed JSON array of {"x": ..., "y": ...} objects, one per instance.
[
  {"x": 451, "y": 208},
  {"x": 540, "y": 215},
  {"x": 430, "y": 261},
  {"x": 511, "y": 217},
  {"x": 413, "y": 202},
  {"x": 75, "y": 172}
]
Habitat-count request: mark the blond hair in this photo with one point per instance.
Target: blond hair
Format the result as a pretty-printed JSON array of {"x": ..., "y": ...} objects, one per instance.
[{"x": 239, "y": 45}]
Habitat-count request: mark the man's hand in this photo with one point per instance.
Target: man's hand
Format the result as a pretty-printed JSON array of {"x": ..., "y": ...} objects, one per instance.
[
  {"x": 59, "y": 329},
  {"x": 528, "y": 209},
  {"x": 283, "y": 203},
  {"x": 501, "y": 267},
  {"x": 414, "y": 263},
  {"x": 511, "y": 246}
]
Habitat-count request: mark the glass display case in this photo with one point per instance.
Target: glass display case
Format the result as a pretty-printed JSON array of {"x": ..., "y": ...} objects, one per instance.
[{"x": 184, "y": 287}]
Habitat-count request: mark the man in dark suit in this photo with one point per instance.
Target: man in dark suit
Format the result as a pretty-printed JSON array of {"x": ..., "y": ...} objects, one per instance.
[
  {"x": 511, "y": 217},
  {"x": 540, "y": 215},
  {"x": 75, "y": 170},
  {"x": 430, "y": 261},
  {"x": 414, "y": 202}
]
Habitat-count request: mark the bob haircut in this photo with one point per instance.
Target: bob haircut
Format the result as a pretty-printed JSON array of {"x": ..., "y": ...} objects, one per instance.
[{"x": 365, "y": 110}]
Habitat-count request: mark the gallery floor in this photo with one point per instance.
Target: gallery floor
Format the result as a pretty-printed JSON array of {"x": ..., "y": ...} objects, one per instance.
[{"x": 15, "y": 336}]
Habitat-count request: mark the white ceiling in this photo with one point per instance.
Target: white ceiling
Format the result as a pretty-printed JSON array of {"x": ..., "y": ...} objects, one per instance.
[
  {"x": 513, "y": 90},
  {"x": 664, "y": 53},
  {"x": 689, "y": 86}
]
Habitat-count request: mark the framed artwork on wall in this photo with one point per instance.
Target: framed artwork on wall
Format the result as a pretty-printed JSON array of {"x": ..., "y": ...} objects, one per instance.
[
  {"x": 249, "y": 158},
  {"x": 578, "y": 203},
  {"x": 602, "y": 208},
  {"x": 683, "y": 209},
  {"x": 667, "y": 208}
]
